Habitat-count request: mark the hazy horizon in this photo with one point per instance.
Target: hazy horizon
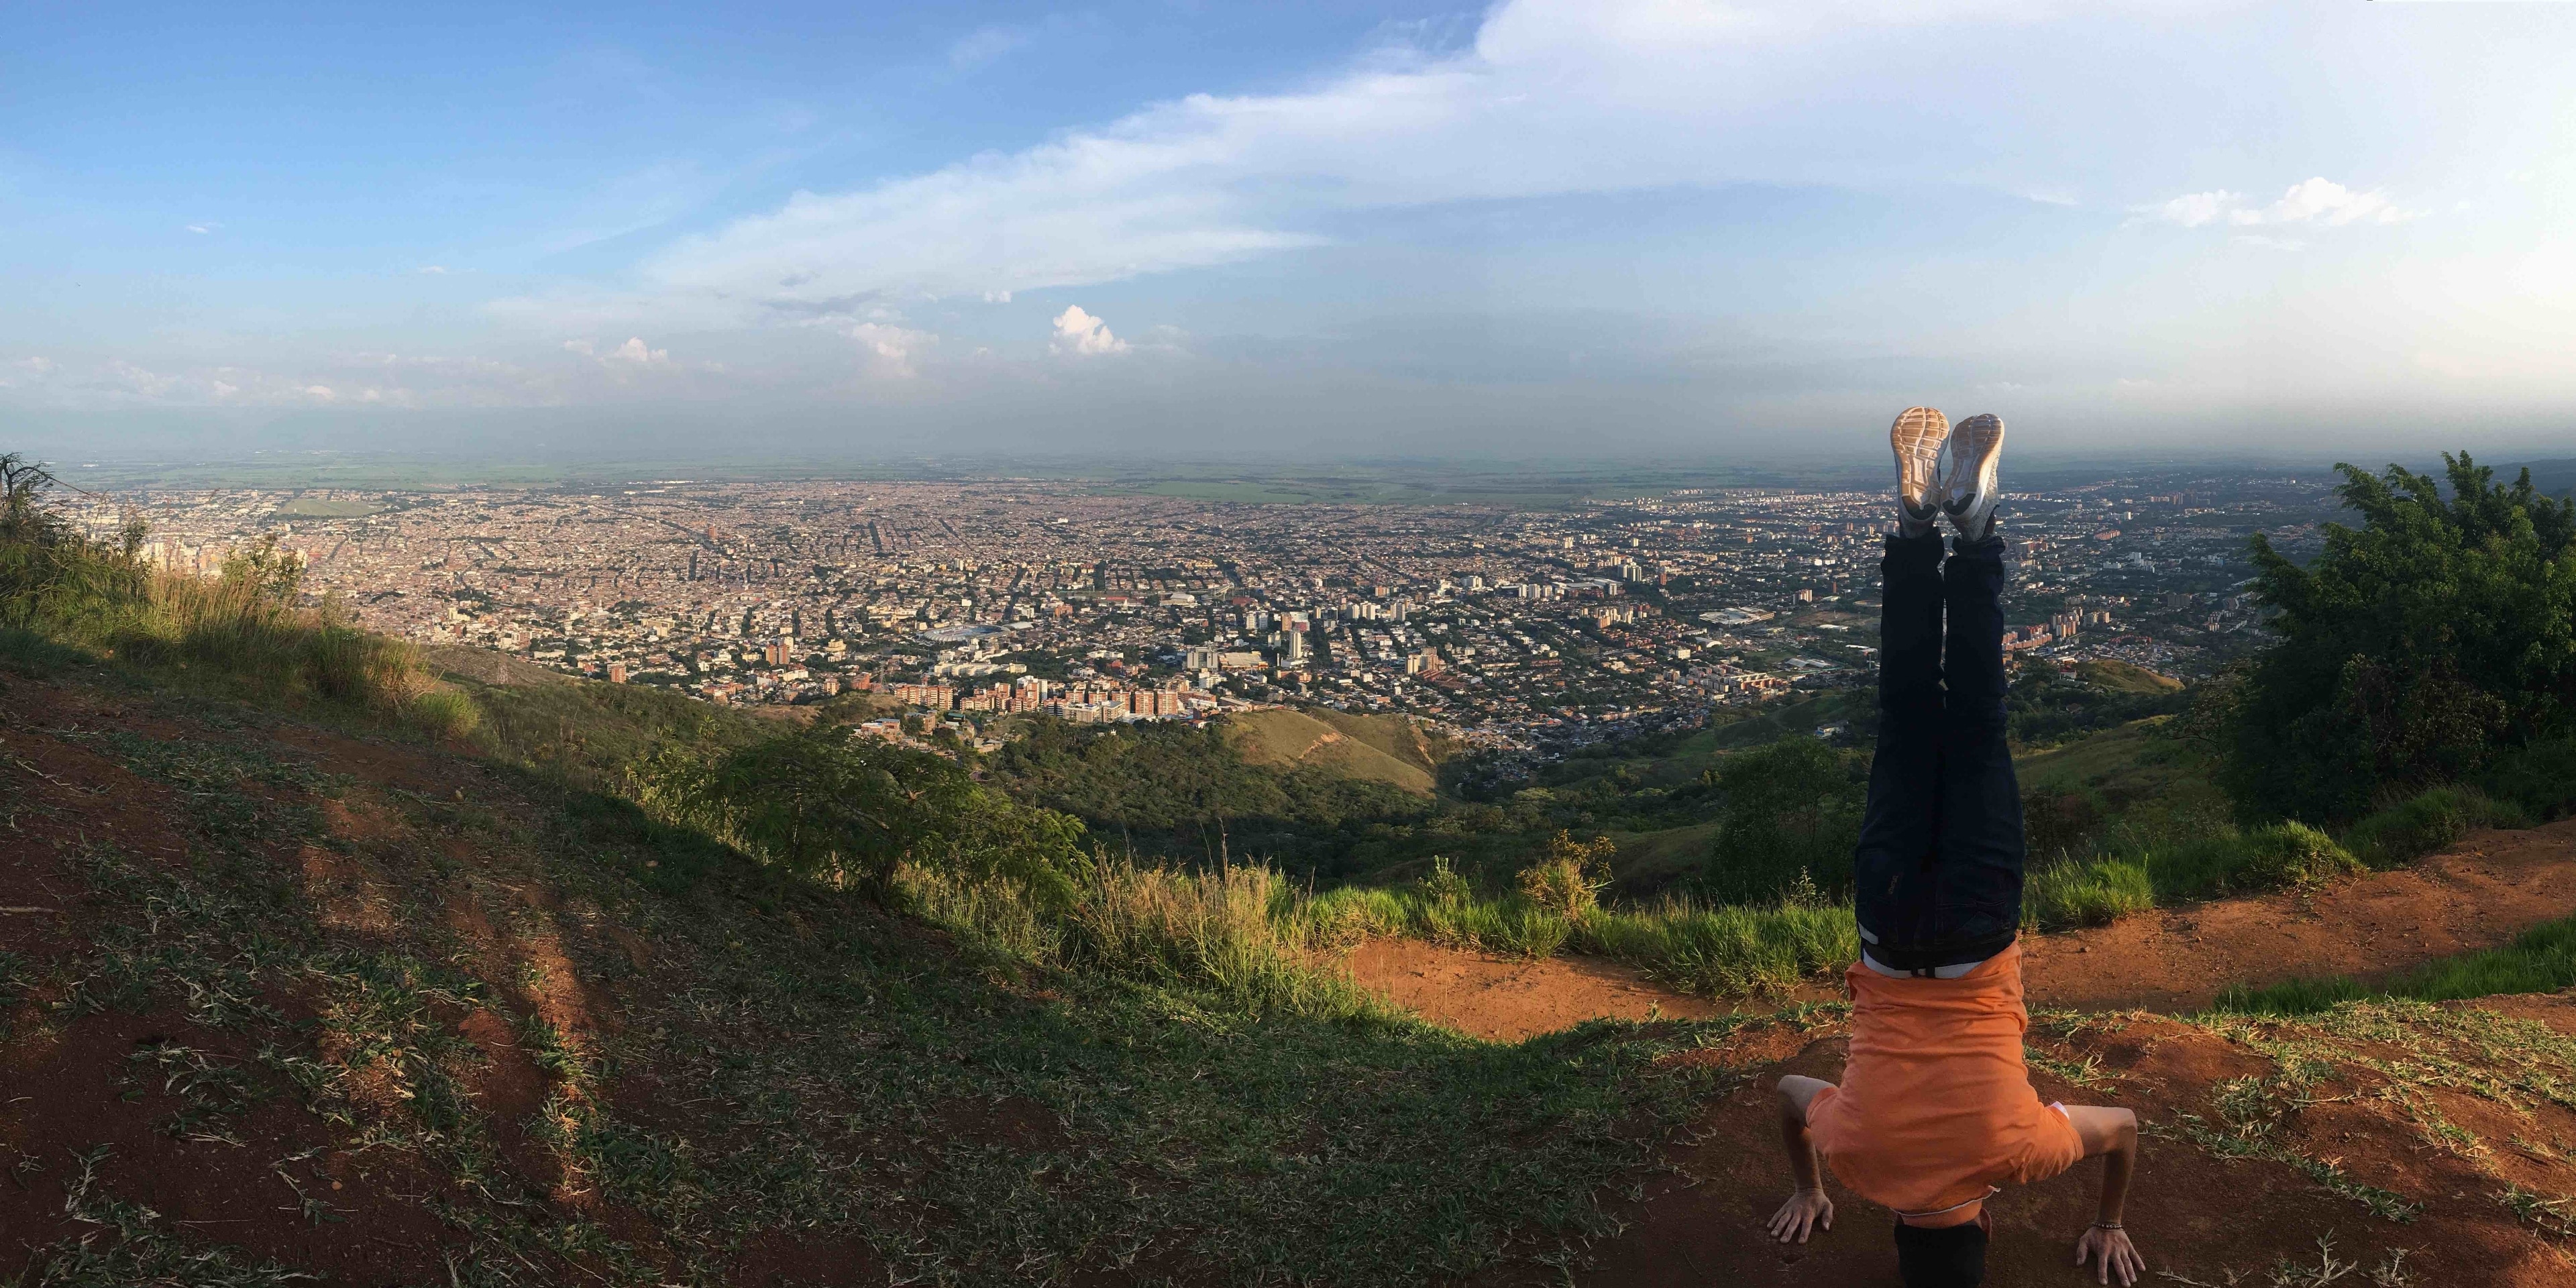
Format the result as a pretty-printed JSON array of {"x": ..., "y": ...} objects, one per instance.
[{"x": 1620, "y": 231}]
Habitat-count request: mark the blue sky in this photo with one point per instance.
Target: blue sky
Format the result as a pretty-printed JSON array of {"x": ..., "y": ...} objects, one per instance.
[{"x": 1548, "y": 227}]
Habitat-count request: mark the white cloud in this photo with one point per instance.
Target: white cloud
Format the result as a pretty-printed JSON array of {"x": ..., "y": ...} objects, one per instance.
[
  {"x": 439, "y": 270},
  {"x": 319, "y": 393},
  {"x": 891, "y": 348},
  {"x": 986, "y": 43},
  {"x": 2192, "y": 210},
  {"x": 1081, "y": 334},
  {"x": 203, "y": 229},
  {"x": 1552, "y": 97},
  {"x": 2317, "y": 200},
  {"x": 633, "y": 353}
]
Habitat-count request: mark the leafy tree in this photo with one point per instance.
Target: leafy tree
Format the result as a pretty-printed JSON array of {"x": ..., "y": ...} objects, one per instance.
[
  {"x": 2413, "y": 650},
  {"x": 1792, "y": 808}
]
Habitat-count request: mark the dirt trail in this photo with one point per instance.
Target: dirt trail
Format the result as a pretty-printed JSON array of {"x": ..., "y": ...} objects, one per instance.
[
  {"x": 2480, "y": 893},
  {"x": 1505, "y": 999}
]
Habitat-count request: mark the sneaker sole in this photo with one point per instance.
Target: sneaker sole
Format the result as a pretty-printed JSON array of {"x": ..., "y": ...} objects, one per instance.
[
  {"x": 1976, "y": 451},
  {"x": 1917, "y": 437}
]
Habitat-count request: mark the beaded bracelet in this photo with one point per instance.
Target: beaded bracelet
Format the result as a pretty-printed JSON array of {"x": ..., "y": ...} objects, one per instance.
[{"x": 2107, "y": 1225}]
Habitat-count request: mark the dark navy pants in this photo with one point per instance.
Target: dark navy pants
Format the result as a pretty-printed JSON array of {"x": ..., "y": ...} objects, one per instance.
[{"x": 1937, "y": 876}]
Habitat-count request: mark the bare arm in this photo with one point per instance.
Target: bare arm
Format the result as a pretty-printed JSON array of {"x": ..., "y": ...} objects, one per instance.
[
  {"x": 1807, "y": 1209},
  {"x": 2113, "y": 1135}
]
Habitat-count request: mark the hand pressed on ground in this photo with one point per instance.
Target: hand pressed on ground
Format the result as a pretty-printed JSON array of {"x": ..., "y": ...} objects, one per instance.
[
  {"x": 2111, "y": 1135},
  {"x": 1808, "y": 1209},
  {"x": 1805, "y": 1211},
  {"x": 2118, "y": 1256}
]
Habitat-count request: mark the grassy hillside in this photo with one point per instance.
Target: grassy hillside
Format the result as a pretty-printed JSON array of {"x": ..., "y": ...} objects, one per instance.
[
  {"x": 520, "y": 1034},
  {"x": 2125, "y": 677},
  {"x": 1381, "y": 749}
]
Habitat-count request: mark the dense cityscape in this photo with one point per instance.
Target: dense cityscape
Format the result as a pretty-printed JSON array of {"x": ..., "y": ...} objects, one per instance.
[{"x": 985, "y": 598}]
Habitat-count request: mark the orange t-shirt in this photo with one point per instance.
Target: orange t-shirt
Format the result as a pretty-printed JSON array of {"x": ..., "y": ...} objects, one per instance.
[{"x": 1935, "y": 1104}]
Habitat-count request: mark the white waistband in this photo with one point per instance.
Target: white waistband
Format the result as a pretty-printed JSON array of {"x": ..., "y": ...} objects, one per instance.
[{"x": 1952, "y": 971}]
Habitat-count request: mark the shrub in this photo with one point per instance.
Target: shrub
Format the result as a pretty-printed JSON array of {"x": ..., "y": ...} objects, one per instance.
[
  {"x": 2094, "y": 892},
  {"x": 1790, "y": 807},
  {"x": 2290, "y": 855},
  {"x": 1568, "y": 877},
  {"x": 2056, "y": 821},
  {"x": 2541, "y": 778},
  {"x": 2427, "y": 822},
  {"x": 1442, "y": 884}
]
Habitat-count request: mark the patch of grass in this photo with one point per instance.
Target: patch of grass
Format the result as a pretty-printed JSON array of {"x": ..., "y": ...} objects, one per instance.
[
  {"x": 2093, "y": 892},
  {"x": 445, "y": 713},
  {"x": 209, "y": 1088},
  {"x": 129, "y": 1244},
  {"x": 2540, "y": 960},
  {"x": 1725, "y": 949},
  {"x": 2555, "y": 1217},
  {"x": 1196, "y": 1096},
  {"x": 2086, "y": 1072},
  {"x": 586, "y": 734},
  {"x": 2229, "y": 860},
  {"x": 2427, "y": 822},
  {"x": 2392, "y": 1055},
  {"x": 2391, "y": 1272},
  {"x": 1715, "y": 950}
]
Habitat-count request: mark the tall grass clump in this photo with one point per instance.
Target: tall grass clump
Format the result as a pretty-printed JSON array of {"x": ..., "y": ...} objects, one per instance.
[
  {"x": 1511, "y": 924},
  {"x": 2427, "y": 822},
  {"x": 1238, "y": 938},
  {"x": 243, "y": 630},
  {"x": 1710, "y": 949},
  {"x": 2541, "y": 960},
  {"x": 2231, "y": 860},
  {"x": 53, "y": 576},
  {"x": 1723, "y": 949},
  {"x": 2090, "y": 892}
]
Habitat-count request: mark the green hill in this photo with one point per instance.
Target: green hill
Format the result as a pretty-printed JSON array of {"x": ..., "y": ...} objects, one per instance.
[
  {"x": 317, "y": 967},
  {"x": 2125, "y": 677},
  {"x": 1383, "y": 749}
]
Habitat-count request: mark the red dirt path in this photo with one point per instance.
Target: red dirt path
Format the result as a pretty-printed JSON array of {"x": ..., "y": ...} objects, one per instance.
[
  {"x": 2482, "y": 892},
  {"x": 2204, "y": 1219}
]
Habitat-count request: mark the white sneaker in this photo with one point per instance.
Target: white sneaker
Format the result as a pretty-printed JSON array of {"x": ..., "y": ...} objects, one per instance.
[
  {"x": 1917, "y": 436},
  {"x": 1970, "y": 493}
]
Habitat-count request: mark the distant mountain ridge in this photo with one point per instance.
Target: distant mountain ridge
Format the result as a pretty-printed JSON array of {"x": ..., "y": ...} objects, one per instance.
[{"x": 2557, "y": 478}]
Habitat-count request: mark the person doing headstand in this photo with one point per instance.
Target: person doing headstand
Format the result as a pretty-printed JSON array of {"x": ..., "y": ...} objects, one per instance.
[{"x": 1935, "y": 1112}]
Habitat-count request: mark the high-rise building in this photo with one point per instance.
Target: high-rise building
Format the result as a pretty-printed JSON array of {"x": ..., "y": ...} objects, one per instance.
[{"x": 617, "y": 673}]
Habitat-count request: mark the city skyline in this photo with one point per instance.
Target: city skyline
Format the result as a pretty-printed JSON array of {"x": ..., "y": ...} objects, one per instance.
[{"x": 1741, "y": 231}]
